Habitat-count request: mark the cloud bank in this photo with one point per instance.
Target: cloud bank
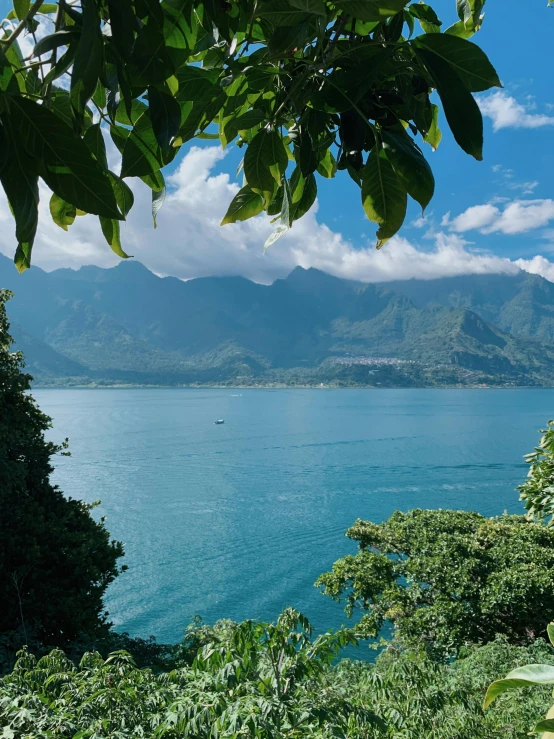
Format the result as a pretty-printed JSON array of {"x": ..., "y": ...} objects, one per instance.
[{"x": 189, "y": 242}]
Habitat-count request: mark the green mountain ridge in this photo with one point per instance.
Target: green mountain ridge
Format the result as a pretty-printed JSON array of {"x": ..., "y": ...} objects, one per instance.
[{"x": 126, "y": 325}]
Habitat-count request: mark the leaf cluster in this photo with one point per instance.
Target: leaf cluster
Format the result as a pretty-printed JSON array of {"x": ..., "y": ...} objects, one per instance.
[
  {"x": 537, "y": 492},
  {"x": 447, "y": 578},
  {"x": 305, "y": 87}
]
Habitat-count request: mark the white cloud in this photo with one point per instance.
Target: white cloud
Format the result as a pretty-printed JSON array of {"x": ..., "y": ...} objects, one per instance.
[
  {"x": 475, "y": 217},
  {"x": 189, "y": 242},
  {"x": 517, "y": 217},
  {"x": 505, "y": 112},
  {"x": 521, "y": 216},
  {"x": 538, "y": 265}
]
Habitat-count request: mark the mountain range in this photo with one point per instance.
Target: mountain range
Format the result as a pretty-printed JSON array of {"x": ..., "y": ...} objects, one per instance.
[{"x": 125, "y": 325}]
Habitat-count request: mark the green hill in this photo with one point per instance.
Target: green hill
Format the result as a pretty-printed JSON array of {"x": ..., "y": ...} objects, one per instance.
[{"x": 126, "y": 325}]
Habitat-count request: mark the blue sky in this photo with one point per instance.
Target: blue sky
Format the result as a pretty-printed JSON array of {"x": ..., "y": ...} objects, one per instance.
[{"x": 501, "y": 210}]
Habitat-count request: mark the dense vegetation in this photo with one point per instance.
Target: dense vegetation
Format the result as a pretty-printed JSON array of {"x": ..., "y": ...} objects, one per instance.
[
  {"x": 270, "y": 682},
  {"x": 342, "y": 84},
  {"x": 94, "y": 326},
  {"x": 56, "y": 561}
]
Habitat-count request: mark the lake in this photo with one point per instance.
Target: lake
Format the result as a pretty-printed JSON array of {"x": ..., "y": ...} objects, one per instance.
[{"x": 238, "y": 520}]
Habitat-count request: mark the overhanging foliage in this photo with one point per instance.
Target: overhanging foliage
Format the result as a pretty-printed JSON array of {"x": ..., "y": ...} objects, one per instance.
[{"x": 305, "y": 87}]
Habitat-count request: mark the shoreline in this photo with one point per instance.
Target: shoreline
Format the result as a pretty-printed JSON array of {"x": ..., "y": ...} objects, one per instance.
[{"x": 133, "y": 386}]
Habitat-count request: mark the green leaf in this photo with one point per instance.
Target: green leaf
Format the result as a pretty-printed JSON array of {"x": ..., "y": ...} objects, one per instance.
[
  {"x": 461, "y": 29},
  {"x": 309, "y": 194},
  {"x": 19, "y": 178},
  {"x": 315, "y": 7},
  {"x": 158, "y": 199},
  {"x": 265, "y": 162},
  {"x": 180, "y": 25},
  {"x": 63, "y": 213},
  {"x": 165, "y": 114},
  {"x": 546, "y": 724},
  {"x": 519, "y": 678},
  {"x": 297, "y": 183},
  {"x": 131, "y": 116},
  {"x": 21, "y": 8},
  {"x": 142, "y": 154},
  {"x": 343, "y": 88},
  {"x": 155, "y": 181},
  {"x": 122, "y": 22},
  {"x": 550, "y": 632},
  {"x": 433, "y": 136},
  {"x": 327, "y": 166},
  {"x": 151, "y": 61},
  {"x": 286, "y": 38},
  {"x": 94, "y": 139},
  {"x": 244, "y": 205},
  {"x": 461, "y": 110},
  {"x": 67, "y": 166},
  {"x": 383, "y": 196},
  {"x": 470, "y": 63},
  {"x": 410, "y": 166},
  {"x": 370, "y": 10},
  {"x": 470, "y": 11},
  {"x": 89, "y": 57},
  {"x": 54, "y": 41},
  {"x": 285, "y": 220},
  {"x": 22, "y": 258},
  {"x": 196, "y": 84},
  {"x": 248, "y": 120},
  {"x": 123, "y": 193},
  {"x": 308, "y": 158},
  {"x": 111, "y": 231},
  {"x": 424, "y": 12},
  {"x": 282, "y": 13}
]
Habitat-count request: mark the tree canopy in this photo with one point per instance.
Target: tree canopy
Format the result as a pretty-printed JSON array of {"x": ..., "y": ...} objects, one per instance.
[
  {"x": 56, "y": 561},
  {"x": 448, "y": 578},
  {"x": 304, "y": 87},
  {"x": 537, "y": 491}
]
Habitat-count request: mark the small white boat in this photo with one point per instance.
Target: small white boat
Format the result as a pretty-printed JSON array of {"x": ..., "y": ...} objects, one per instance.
[{"x": 220, "y": 420}]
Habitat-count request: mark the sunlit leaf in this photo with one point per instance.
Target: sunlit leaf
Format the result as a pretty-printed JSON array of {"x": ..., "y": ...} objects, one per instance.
[
  {"x": 383, "y": 196},
  {"x": 370, "y": 10},
  {"x": 244, "y": 205},
  {"x": 111, "y": 231},
  {"x": 519, "y": 678},
  {"x": 264, "y": 163},
  {"x": 63, "y": 213}
]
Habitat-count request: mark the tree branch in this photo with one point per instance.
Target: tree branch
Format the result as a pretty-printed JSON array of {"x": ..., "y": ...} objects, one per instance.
[{"x": 33, "y": 10}]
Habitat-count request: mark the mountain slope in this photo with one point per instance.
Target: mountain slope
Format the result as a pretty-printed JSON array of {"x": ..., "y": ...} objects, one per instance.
[
  {"x": 128, "y": 325},
  {"x": 522, "y": 304}
]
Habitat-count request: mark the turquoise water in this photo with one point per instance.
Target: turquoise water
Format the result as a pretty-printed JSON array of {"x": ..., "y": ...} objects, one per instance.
[{"x": 238, "y": 520}]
